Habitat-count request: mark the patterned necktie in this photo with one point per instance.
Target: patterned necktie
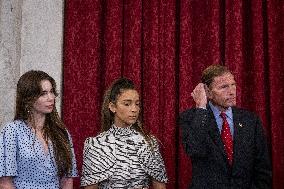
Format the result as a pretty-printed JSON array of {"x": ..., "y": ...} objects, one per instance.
[{"x": 227, "y": 138}]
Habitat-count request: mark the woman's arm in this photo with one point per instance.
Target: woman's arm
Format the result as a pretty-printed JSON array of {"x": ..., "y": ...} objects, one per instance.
[
  {"x": 95, "y": 186},
  {"x": 67, "y": 183},
  {"x": 6, "y": 183},
  {"x": 158, "y": 185}
]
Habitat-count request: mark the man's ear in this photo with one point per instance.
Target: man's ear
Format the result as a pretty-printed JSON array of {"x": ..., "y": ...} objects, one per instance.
[
  {"x": 112, "y": 107},
  {"x": 207, "y": 91}
]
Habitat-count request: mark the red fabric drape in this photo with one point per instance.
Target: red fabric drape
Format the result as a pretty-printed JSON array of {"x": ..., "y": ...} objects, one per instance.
[{"x": 163, "y": 46}]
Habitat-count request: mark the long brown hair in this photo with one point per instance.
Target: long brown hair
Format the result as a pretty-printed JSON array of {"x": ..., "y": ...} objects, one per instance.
[
  {"x": 28, "y": 91},
  {"x": 107, "y": 116}
]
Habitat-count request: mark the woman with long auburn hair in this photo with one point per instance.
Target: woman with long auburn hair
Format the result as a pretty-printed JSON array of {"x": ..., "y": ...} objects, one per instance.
[
  {"x": 123, "y": 155},
  {"x": 36, "y": 150}
]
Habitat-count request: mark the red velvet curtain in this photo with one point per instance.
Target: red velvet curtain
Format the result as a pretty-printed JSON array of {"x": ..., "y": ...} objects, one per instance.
[{"x": 163, "y": 46}]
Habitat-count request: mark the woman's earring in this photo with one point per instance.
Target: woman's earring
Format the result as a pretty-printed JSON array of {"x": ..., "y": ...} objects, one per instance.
[{"x": 27, "y": 109}]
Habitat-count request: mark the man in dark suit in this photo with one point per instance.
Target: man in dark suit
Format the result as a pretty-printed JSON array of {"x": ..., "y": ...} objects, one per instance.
[{"x": 226, "y": 144}]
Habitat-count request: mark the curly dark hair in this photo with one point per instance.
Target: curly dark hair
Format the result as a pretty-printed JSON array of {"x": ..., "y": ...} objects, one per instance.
[{"x": 107, "y": 116}]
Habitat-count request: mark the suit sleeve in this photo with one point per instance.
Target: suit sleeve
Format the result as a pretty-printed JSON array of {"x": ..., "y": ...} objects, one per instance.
[
  {"x": 194, "y": 127},
  {"x": 262, "y": 167}
]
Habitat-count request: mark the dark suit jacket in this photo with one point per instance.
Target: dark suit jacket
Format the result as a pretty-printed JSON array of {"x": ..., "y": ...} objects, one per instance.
[{"x": 251, "y": 166}]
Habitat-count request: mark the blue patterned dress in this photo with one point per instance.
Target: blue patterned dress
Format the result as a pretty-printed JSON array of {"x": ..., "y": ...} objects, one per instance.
[{"x": 22, "y": 157}]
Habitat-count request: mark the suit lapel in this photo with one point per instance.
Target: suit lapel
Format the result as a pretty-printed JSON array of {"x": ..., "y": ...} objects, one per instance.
[
  {"x": 215, "y": 133},
  {"x": 239, "y": 134}
]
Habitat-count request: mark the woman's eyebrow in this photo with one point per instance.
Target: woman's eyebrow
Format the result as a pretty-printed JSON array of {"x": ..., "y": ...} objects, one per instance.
[{"x": 127, "y": 100}]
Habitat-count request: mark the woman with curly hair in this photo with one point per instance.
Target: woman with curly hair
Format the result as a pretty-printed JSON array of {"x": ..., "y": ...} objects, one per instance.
[{"x": 123, "y": 155}]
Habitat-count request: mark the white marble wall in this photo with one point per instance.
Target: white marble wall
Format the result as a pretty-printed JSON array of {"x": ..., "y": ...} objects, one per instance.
[{"x": 30, "y": 38}]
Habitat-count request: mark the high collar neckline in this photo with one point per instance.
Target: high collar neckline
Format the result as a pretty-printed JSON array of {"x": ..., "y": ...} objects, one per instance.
[{"x": 121, "y": 130}]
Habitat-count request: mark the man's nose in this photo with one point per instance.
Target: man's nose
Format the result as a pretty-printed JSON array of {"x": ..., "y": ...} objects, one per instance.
[{"x": 232, "y": 90}]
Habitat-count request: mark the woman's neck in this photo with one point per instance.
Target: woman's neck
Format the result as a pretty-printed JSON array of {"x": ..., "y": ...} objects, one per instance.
[
  {"x": 121, "y": 125},
  {"x": 37, "y": 121}
]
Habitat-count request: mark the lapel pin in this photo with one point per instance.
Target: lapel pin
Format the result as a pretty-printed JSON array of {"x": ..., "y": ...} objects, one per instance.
[{"x": 241, "y": 125}]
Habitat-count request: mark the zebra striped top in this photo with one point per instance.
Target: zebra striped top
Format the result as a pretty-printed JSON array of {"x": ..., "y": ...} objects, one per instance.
[{"x": 121, "y": 158}]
